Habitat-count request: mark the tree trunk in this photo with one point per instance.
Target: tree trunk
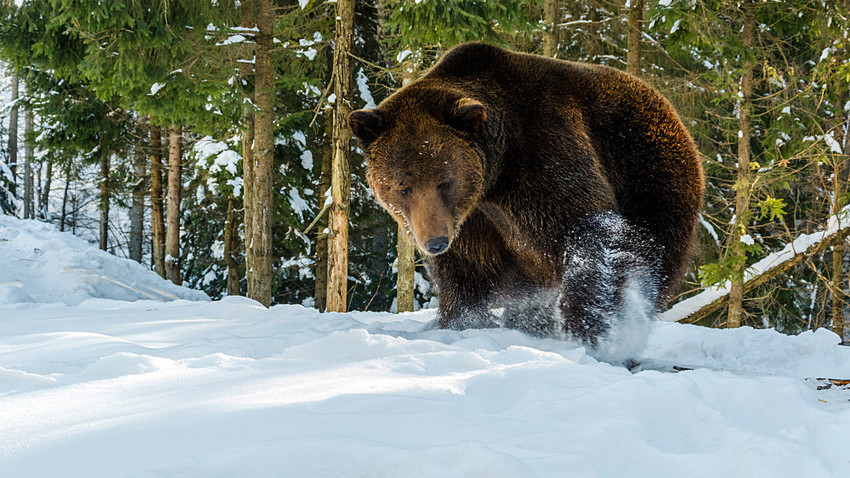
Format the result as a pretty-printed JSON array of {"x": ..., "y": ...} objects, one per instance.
[
  {"x": 635, "y": 32},
  {"x": 74, "y": 209},
  {"x": 337, "y": 299},
  {"x": 45, "y": 193},
  {"x": 405, "y": 247},
  {"x": 65, "y": 197},
  {"x": 321, "y": 274},
  {"x": 406, "y": 271},
  {"x": 742, "y": 186},
  {"x": 259, "y": 287},
  {"x": 231, "y": 228},
  {"x": 37, "y": 189},
  {"x": 157, "y": 207},
  {"x": 137, "y": 209},
  {"x": 28, "y": 183},
  {"x": 247, "y": 129},
  {"x": 175, "y": 185},
  {"x": 840, "y": 172},
  {"x": 592, "y": 42},
  {"x": 13, "y": 133},
  {"x": 104, "y": 197},
  {"x": 550, "y": 35}
]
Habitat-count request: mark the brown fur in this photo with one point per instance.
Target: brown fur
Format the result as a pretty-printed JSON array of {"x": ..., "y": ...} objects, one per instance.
[{"x": 506, "y": 153}]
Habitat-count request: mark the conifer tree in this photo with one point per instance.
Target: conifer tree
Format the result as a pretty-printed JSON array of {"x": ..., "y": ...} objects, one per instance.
[
  {"x": 12, "y": 145},
  {"x": 742, "y": 185},
  {"x": 636, "y": 10},
  {"x": 262, "y": 157},
  {"x": 337, "y": 296},
  {"x": 157, "y": 202}
]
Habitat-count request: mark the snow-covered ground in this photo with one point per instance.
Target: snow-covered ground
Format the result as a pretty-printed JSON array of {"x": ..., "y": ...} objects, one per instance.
[
  {"x": 113, "y": 388},
  {"x": 39, "y": 264}
]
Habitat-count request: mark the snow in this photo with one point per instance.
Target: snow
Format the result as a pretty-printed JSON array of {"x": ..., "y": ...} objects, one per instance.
[
  {"x": 307, "y": 160},
  {"x": 231, "y": 40},
  {"x": 403, "y": 55},
  {"x": 363, "y": 87},
  {"x": 297, "y": 203},
  {"x": 110, "y": 387},
  {"x": 42, "y": 265},
  {"x": 708, "y": 227},
  {"x": 217, "y": 154},
  {"x": 675, "y": 27},
  {"x": 155, "y": 88}
]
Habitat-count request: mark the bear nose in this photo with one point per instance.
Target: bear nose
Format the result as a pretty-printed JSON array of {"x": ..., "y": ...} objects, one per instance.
[{"x": 437, "y": 244}]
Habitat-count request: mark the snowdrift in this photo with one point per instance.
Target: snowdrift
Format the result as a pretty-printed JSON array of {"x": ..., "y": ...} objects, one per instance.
[
  {"x": 42, "y": 265},
  {"x": 230, "y": 389}
]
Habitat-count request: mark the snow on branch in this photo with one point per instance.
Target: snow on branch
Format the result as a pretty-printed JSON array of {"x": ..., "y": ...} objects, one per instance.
[{"x": 804, "y": 247}]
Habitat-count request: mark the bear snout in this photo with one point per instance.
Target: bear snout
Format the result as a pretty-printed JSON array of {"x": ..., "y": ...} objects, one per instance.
[{"x": 437, "y": 245}]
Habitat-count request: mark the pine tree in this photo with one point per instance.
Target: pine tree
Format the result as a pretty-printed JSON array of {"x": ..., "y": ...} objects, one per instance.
[
  {"x": 175, "y": 186},
  {"x": 29, "y": 121},
  {"x": 262, "y": 156},
  {"x": 337, "y": 296},
  {"x": 551, "y": 16},
  {"x": 157, "y": 202},
  {"x": 742, "y": 185},
  {"x": 636, "y": 11},
  {"x": 13, "y": 134}
]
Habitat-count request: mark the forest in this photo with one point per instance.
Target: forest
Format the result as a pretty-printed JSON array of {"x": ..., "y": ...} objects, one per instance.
[{"x": 208, "y": 140}]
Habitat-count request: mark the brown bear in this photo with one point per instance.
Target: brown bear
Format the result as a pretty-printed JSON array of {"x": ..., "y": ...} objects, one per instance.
[{"x": 549, "y": 196}]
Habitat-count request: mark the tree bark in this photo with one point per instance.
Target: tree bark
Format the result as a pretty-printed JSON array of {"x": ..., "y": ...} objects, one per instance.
[
  {"x": 65, "y": 197},
  {"x": 157, "y": 206},
  {"x": 405, "y": 247},
  {"x": 37, "y": 177},
  {"x": 175, "y": 185},
  {"x": 43, "y": 202},
  {"x": 28, "y": 183},
  {"x": 635, "y": 32},
  {"x": 321, "y": 274},
  {"x": 550, "y": 35},
  {"x": 592, "y": 42},
  {"x": 406, "y": 271},
  {"x": 839, "y": 186},
  {"x": 262, "y": 171},
  {"x": 247, "y": 129},
  {"x": 13, "y": 133},
  {"x": 742, "y": 186},
  {"x": 337, "y": 299},
  {"x": 104, "y": 197},
  {"x": 137, "y": 209},
  {"x": 230, "y": 240}
]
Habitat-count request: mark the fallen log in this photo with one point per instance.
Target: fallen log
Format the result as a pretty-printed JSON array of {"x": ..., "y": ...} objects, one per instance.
[{"x": 696, "y": 308}]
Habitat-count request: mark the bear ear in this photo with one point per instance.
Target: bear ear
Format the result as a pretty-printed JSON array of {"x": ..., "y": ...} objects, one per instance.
[
  {"x": 365, "y": 124},
  {"x": 468, "y": 115}
]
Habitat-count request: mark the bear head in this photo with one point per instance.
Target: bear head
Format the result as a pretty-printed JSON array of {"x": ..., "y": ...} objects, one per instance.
[{"x": 423, "y": 162}]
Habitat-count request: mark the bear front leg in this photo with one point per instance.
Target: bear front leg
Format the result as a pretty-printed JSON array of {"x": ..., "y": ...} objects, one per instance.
[
  {"x": 464, "y": 293},
  {"x": 610, "y": 289}
]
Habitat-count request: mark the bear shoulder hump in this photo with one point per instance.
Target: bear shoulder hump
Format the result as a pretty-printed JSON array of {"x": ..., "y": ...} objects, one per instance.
[{"x": 470, "y": 56}]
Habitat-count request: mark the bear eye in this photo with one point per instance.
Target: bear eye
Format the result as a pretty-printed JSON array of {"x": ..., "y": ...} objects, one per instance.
[
  {"x": 406, "y": 191},
  {"x": 444, "y": 185}
]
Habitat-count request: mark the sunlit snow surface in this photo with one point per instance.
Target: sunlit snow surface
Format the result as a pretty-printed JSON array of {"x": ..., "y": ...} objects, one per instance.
[
  {"x": 110, "y": 388},
  {"x": 42, "y": 265}
]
